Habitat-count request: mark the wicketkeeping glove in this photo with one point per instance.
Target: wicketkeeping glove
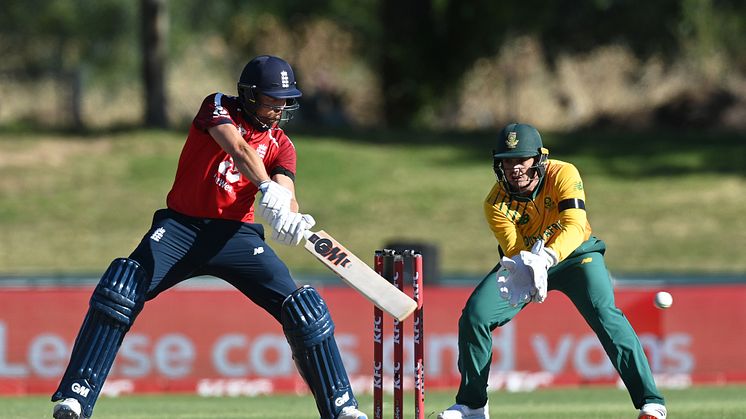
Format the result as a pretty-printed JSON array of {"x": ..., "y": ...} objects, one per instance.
[
  {"x": 538, "y": 261},
  {"x": 514, "y": 281},
  {"x": 275, "y": 201}
]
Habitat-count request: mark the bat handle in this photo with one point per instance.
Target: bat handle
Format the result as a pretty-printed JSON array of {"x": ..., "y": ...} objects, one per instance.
[{"x": 308, "y": 233}]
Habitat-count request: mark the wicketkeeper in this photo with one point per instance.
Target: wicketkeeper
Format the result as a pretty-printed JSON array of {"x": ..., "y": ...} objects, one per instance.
[
  {"x": 537, "y": 212},
  {"x": 234, "y": 150}
]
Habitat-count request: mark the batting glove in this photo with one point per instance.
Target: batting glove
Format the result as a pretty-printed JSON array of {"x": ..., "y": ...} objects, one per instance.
[
  {"x": 275, "y": 201},
  {"x": 293, "y": 228}
]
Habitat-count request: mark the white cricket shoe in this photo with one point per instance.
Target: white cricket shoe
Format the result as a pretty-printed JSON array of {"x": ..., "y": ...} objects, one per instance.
[
  {"x": 67, "y": 409},
  {"x": 652, "y": 411},
  {"x": 351, "y": 412},
  {"x": 459, "y": 411}
]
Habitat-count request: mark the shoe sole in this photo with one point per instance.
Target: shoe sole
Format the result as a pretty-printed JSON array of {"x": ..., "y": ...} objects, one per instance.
[{"x": 65, "y": 413}]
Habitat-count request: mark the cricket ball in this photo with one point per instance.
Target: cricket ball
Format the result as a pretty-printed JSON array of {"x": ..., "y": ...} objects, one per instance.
[{"x": 663, "y": 300}]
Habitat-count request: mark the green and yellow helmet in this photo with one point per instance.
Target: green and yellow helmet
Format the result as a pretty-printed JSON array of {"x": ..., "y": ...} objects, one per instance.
[{"x": 519, "y": 141}]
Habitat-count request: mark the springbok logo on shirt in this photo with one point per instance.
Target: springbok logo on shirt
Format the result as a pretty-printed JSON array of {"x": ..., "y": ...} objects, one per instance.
[{"x": 229, "y": 171}]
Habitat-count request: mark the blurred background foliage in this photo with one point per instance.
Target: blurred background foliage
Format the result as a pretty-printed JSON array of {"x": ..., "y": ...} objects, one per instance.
[
  {"x": 428, "y": 64},
  {"x": 648, "y": 99}
]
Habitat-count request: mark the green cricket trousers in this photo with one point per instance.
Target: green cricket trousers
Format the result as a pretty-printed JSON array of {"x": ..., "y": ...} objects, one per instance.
[{"x": 583, "y": 277}]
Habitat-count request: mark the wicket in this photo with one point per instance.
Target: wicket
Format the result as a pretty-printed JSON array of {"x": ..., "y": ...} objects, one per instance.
[{"x": 390, "y": 264}]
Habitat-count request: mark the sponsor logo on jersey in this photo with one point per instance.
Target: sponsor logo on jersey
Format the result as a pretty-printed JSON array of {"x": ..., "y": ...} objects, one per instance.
[
  {"x": 227, "y": 174},
  {"x": 258, "y": 250},
  {"x": 548, "y": 233},
  {"x": 222, "y": 183}
]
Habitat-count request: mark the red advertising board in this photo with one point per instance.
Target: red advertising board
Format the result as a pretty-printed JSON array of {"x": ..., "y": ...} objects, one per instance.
[{"x": 216, "y": 342}]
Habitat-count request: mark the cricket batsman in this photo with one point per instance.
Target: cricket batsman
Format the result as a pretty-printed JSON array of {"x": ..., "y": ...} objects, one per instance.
[
  {"x": 235, "y": 149},
  {"x": 537, "y": 212}
]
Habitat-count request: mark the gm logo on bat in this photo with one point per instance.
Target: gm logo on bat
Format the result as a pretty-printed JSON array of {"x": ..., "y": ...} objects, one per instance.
[{"x": 327, "y": 249}]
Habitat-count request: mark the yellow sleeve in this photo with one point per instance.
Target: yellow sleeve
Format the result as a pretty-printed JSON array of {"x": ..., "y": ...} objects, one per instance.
[
  {"x": 502, "y": 227},
  {"x": 573, "y": 222}
]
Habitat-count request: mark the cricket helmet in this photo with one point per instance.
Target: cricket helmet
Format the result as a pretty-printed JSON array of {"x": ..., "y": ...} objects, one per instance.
[
  {"x": 270, "y": 76},
  {"x": 519, "y": 141}
]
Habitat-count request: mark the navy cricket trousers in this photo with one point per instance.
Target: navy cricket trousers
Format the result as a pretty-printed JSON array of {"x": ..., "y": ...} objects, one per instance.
[{"x": 178, "y": 247}]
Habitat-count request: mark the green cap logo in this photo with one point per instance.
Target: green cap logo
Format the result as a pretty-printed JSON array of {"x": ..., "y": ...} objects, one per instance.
[
  {"x": 512, "y": 141},
  {"x": 517, "y": 140}
]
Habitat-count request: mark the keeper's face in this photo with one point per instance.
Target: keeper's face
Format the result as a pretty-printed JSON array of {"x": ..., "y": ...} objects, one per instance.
[{"x": 520, "y": 174}]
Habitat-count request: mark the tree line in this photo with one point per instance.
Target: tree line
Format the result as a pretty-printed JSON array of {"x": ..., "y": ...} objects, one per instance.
[{"x": 419, "y": 48}]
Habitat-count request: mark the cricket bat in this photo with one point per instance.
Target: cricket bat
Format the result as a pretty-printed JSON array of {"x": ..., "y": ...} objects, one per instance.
[{"x": 359, "y": 276}]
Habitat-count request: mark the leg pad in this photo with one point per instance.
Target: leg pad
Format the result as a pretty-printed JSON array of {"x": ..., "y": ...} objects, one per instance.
[
  {"x": 309, "y": 329},
  {"x": 114, "y": 305}
]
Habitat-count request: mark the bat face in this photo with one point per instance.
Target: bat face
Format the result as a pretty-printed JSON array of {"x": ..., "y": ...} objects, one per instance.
[{"x": 359, "y": 276}]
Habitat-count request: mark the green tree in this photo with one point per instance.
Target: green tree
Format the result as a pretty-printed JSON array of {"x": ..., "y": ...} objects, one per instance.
[
  {"x": 428, "y": 45},
  {"x": 421, "y": 49},
  {"x": 65, "y": 39}
]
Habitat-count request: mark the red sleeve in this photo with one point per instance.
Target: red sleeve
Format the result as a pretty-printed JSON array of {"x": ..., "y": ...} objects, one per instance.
[
  {"x": 213, "y": 112},
  {"x": 286, "y": 158}
]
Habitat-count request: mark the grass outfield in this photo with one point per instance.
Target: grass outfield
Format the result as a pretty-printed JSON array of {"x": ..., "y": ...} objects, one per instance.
[
  {"x": 597, "y": 403},
  {"x": 663, "y": 202}
]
